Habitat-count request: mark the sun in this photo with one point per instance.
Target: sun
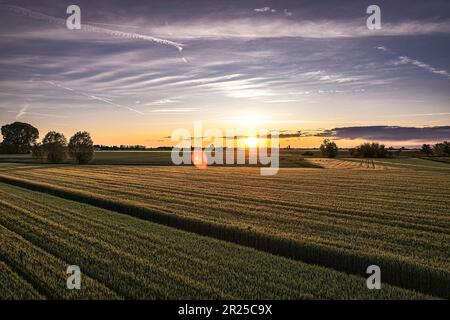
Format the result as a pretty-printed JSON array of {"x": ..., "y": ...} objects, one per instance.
[{"x": 252, "y": 142}]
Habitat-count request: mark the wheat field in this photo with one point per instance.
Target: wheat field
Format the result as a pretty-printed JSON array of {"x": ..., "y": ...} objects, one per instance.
[
  {"x": 125, "y": 258},
  {"x": 339, "y": 218}
]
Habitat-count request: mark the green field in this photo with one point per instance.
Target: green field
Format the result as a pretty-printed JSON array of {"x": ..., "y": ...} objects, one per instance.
[
  {"x": 125, "y": 258},
  {"x": 345, "y": 217},
  {"x": 288, "y": 158},
  {"x": 420, "y": 164}
]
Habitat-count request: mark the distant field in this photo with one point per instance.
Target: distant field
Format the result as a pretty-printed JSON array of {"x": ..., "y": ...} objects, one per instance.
[
  {"x": 20, "y": 158},
  {"x": 340, "y": 218},
  {"x": 445, "y": 160},
  {"x": 344, "y": 163},
  {"x": 133, "y": 157},
  {"x": 125, "y": 258},
  {"x": 416, "y": 163},
  {"x": 288, "y": 158}
]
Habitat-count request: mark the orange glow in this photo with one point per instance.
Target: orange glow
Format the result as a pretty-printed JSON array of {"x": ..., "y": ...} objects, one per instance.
[
  {"x": 199, "y": 159},
  {"x": 252, "y": 142}
]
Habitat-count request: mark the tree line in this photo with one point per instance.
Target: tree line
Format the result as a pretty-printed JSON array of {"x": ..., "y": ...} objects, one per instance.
[
  {"x": 439, "y": 149},
  {"x": 21, "y": 138},
  {"x": 376, "y": 150}
]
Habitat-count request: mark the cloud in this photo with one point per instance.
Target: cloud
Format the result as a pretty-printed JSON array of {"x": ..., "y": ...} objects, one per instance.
[
  {"x": 175, "y": 110},
  {"x": 334, "y": 78},
  {"x": 282, "y": 101},
  {"x": 161, "y": 102},
  {"x": 288, "y": 135},
  {"x": 287, "y": 13},
  {"x": 231, "y": 27},
  {"x": 383, "y": 49},
  {"x": 389, "y": 133},
  {"x": 265, "y": 9},
  {"x": 278, "y": 26},
  {"x": 313, "y": 73},
  {"x": 419, "y": 115}
]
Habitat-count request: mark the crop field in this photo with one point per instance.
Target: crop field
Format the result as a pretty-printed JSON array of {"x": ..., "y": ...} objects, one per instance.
[
  {"x": 126, "y": 258},
  {"x": 349, "y": 164},
  {"x": 288, "y": 158},
  {"x": 133, "y": 157},
  {"x": 416, "y": 164},
  {"x": 445, "y": 160},
  {"x": 343, "y": 219}
]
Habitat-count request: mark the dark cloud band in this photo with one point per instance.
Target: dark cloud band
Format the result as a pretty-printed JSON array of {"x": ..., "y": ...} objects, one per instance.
[{"x": 389, "y": 133}]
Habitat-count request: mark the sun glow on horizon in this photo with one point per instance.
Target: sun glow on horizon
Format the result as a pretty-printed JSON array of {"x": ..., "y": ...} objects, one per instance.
[{"x": 252, "y": 142}]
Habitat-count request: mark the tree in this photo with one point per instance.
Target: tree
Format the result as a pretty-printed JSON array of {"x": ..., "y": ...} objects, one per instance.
[
  {"x": 81, "y": 147},
  {"x": 381, "y": 151},
  {"x": 18, "y": 137},
  {"x": 426, "y": 149},
  {"x": 329, "y": 148},
  {"x": 442, "y": 149},
  {"x": 364, "y": 150},
  {"x": 371, "y": 150},
  {"x": 54, "y": 145},
  {"x": 38, "y": 152}
]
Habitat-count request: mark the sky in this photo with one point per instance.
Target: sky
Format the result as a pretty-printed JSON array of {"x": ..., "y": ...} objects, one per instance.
[{"x": 138, "y": 70}]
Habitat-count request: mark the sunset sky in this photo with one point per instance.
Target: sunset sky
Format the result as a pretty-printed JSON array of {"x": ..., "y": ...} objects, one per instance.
[{"x": 308, "y": 68}]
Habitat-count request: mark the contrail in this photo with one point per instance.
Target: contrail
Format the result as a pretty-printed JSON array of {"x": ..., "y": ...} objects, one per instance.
[
  {"x": 417, "y": 63},
  {"x": 22, "y": 111},
  {"x": 93, "y": 97},
  {"x": 86, "y": 27},
  {"x": 113, "y": 25}
]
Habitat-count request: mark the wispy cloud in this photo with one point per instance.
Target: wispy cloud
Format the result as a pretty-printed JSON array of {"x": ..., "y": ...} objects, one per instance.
[
  {"x": 323, "y": 76},
  {"x": 161, "y": 102},
  {"x": 381, "y": 48},
  {"x": 279, "y": 26},
  {"x": 433, "y": 114},
  {"x": 282, "y": 101},
  {"x": 175, "y": 110},
  {"x": 265, "y": 9},
  {"x": 287, "y": 13}
]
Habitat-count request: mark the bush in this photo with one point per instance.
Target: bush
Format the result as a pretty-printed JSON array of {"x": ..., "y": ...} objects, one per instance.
[
  {"x": 426, "y": 149},
  {"x": 308, "y": 153},
  {"x": 38, "y": 153},
  {"x": 352, "y": 152},
  {"x": 329, "y": 148},
  {"x": 54, "y": 145},
  {"x": 442, "y": 149},
  {"x": 81, "y": 147}
]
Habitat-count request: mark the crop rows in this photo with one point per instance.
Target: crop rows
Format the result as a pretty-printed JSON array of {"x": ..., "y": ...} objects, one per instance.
[
  {"x": 123, "y": 257},
  {"x": 13, "y": 286},
  {"x": 419, "y": 164},
  {"x": 341, "y": 219},
  {"x": 39, "y": 270},
  {"x": 346, "y": 164}
]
